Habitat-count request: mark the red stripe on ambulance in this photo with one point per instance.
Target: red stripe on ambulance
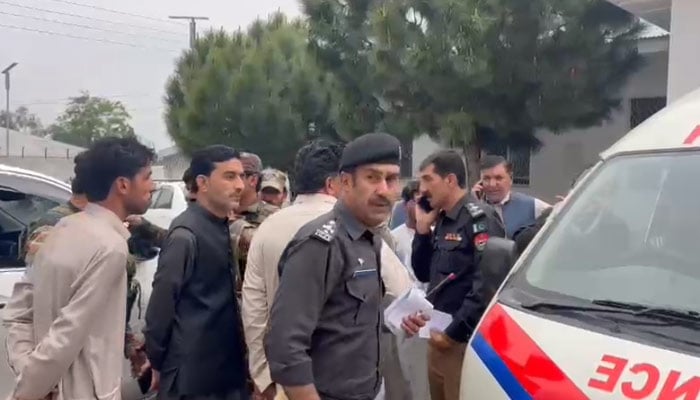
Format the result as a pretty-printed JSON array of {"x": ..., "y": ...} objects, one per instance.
[
  {"x": 641, "y": 380},
  {"x": 694, "y": 135}
]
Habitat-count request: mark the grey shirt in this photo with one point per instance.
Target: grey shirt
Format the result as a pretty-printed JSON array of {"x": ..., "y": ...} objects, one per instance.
[{"x": 325, "y": 321}]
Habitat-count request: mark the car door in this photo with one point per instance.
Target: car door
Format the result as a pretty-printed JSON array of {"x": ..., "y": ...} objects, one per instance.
[{"x": 22, "y": 197}]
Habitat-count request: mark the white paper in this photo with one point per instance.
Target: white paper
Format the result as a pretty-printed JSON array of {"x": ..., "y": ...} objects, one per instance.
[
  {"x": 439, "y": 321},
  {"x": 409, "y": 303}
]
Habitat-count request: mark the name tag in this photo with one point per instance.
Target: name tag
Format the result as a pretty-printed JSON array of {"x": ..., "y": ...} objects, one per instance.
[{"x": 364, "y": 272}]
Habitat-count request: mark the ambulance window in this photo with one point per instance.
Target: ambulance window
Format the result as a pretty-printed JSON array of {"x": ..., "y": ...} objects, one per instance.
[{"x": 631, "y": 235}]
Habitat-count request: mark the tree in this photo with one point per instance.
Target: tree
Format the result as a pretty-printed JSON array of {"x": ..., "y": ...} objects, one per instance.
[
  {"x": 22, "y": 120},
  {"x": 256, "y": 90},
  {"x": 487, "y": 73},
  {"x": 88, "y": 118}
]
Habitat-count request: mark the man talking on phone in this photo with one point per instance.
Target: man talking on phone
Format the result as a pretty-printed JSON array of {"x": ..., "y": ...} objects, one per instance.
[{"x": 448, "y": 258}]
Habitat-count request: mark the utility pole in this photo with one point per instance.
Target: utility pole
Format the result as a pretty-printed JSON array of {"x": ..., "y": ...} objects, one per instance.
[
  {"x": 6, "y": 72},
  {"x": 193, "y": 26}
]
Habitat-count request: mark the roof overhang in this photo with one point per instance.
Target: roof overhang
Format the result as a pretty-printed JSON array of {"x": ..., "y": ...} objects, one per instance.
[{"x": 658, "y": 12}]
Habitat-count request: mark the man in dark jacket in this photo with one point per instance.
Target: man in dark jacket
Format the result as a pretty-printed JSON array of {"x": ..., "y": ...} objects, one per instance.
[{"x": 193, "y": 335}]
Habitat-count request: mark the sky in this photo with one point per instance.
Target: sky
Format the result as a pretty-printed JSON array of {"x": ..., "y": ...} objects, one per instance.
[{"x": 53, "y": 67}]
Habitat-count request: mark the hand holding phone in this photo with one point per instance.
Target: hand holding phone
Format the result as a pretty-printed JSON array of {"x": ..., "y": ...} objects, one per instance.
[
  {"x": 478, "y": 190},
  {"x": 426, "y": 215}
]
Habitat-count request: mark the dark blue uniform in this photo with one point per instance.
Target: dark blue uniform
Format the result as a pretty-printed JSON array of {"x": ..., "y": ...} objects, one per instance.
[{"x": 454, "y": 246}]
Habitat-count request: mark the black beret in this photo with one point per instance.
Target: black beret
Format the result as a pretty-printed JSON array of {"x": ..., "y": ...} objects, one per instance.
[{"x": 371, "y": 148}]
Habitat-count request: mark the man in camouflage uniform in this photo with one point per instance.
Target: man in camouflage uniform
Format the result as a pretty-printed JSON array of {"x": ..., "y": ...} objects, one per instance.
[
  {"x": 273, "y": 189},
  {"x": 251, "y": 213}
]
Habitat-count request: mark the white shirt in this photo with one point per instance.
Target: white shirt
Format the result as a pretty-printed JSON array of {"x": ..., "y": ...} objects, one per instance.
[
  {"x": 540, "y": 206},
  {"x": 403, "y": 235}
]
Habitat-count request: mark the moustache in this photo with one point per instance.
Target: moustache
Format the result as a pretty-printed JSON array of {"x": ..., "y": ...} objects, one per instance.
[{"x": 380, "y": 202}]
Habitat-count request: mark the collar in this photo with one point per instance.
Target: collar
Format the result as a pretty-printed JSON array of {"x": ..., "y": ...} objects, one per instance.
[
  {"x": 108, "y": 216},
  {"x": 352, "y": 225},
  {"x": 453, "y": 213},
  {"x": 502, "y": 202},
  {"x": 203, "y": 212},
  {"x": 315, "y": 198}
]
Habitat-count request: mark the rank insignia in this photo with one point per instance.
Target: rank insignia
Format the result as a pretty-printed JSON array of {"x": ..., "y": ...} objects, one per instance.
[
  {"x": 326, "y": 232},
  {"x": 453, "y": 237},
  {"x": 480, "y": 241}
]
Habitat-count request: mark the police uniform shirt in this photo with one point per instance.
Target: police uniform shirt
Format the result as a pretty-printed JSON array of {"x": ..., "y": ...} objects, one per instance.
[
  {"x": 325, "y": 322},
  {"x": 459, "y": 235}
]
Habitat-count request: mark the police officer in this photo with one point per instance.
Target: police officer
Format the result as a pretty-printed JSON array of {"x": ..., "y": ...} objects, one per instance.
[
  {"x": 323, "y": 339},
  {"x": 462, "y": 226}
]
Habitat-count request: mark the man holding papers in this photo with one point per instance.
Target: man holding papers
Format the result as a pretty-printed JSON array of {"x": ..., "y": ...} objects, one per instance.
[
  {"x": 324, "y": 328},
  {"x": 448, "y": 258}
]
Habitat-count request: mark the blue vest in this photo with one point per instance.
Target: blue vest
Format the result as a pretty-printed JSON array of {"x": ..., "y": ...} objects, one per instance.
[{"x": 518, "y": 212}]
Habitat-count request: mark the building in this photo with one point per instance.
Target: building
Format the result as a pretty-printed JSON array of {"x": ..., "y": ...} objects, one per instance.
[
  {"x": 551, "y": 171},
  {"x": 39, "y": 154}
]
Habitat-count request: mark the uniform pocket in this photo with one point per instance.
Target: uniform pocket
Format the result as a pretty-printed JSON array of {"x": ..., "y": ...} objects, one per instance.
[
  {"x": 364, "y": 290},
  {"x": 452, "y": 256}
]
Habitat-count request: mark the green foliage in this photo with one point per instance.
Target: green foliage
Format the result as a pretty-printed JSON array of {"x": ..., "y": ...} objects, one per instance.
[
  {"x": 476, "y": 73},
  {"x": 256, "y": 90},
  {"x": 22, "y": 120},
  {"x": 88, "y": 118}
]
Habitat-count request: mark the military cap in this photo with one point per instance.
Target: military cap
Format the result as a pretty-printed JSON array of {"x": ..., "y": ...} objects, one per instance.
[
  {"x": 371, "y": 148},
  {"x": 274, "y": 178},
  {"x": 251, "y": 163}
]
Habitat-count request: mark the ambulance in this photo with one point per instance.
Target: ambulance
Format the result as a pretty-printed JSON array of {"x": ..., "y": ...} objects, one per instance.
[{"x": 605, "y": 302}]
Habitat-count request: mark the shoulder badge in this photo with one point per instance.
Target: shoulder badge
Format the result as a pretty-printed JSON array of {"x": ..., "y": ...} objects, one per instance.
[
  {"x": 326, "y": 232},
  {"x": 475, "y": 211}
]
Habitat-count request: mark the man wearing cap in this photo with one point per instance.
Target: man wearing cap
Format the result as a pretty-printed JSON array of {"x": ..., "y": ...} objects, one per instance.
[
  {"x": 273, "y": 189},
  {"x": 325, "y": 323},
  {"x": 252, "y": 208}
]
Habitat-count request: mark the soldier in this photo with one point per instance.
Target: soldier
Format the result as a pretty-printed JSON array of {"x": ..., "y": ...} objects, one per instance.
[
  {"x": 249, "y": 215},
  {"x": 325, "y": 322},
  {"x": 273, "y": 189},
  {"x": 252, "y": 208}
]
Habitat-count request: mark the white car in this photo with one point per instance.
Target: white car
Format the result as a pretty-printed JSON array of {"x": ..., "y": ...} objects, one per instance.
[{"x": 25, "y": 196}]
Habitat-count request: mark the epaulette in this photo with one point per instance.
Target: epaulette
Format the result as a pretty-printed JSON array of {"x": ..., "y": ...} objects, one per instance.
[
  {"x": 475, "y": 211},
  {"x": 326, "y": 232}
]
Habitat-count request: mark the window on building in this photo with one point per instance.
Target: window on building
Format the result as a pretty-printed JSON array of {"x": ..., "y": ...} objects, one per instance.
[
  {"x": 519, "y": 158},
  {"x": 642, "y": 108}
]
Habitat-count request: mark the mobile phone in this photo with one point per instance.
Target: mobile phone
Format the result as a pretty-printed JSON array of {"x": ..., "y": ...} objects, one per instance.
[
  {"x": 424, "y": 204},
  {"x": 480, "y": 193}
]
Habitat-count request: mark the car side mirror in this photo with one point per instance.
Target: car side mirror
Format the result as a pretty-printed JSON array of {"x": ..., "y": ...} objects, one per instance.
[{"x": 497, "y": 259}]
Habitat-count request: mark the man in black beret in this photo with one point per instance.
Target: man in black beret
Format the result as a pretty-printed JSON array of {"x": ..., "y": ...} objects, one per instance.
[{"x": 325, "y": 325}]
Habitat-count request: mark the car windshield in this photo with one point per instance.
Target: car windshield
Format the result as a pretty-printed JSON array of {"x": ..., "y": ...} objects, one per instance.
[{"x": 631, "y": 235}]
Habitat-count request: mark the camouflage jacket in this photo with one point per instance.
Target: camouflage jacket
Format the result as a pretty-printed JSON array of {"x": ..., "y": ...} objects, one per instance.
[
  {"x": 242, "y": 229},
  {"x": 38, "y": 229}
]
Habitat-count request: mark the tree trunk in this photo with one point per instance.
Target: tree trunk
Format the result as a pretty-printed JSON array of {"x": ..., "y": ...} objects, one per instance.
[{"x": 472, "y": 155}]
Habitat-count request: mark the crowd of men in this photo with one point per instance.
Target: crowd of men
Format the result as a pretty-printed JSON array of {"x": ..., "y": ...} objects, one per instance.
[{"x": 252, "y": 298}]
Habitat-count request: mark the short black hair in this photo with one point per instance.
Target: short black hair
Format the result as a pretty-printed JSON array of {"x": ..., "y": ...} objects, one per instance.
[
  {"x": 492, "y": 161},
  {"x": 447, "y": 162},
  {"x": 190, "y": 182},
  {"x": 204, "y": 160},
  {"x": 76, "y": 184},
  {"x": 314, "y": 164},
  {"x": 409, "y": 191},
  {"x": 110, "y": 158}
]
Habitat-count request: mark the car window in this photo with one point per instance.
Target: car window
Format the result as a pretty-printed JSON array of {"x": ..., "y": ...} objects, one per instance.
[
  {"x": 162, "y": 198},
  {"x": 28, "y": 209},
  {"x": 630, "y": 235}
]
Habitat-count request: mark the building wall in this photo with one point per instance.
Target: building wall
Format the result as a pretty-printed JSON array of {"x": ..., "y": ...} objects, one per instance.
[
  {"x": 59, "y": 168},
  {"x": 564, "y": 156}
]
